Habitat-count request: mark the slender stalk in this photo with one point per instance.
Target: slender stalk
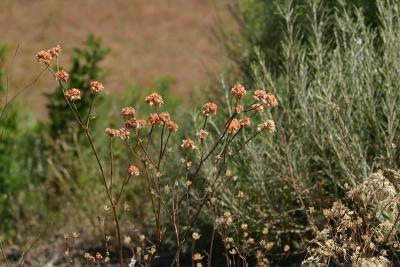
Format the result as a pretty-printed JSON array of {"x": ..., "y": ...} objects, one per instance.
[{"x": 4, "y": 254}]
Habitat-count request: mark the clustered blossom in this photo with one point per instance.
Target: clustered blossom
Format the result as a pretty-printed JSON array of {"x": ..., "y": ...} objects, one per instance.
[
  {"x": 257, "y": 107},
  {"x": 188, "y": 144},
  {"x": 238, "y": 91},
  {"x": 154, "y": 119},
  {"x": 133, "y": 170},
  {"x": 245, "y": 122},
  {"x": 135, "y": 123},
  {"x": 111, "y": 132},
  {"x": 268, "y": 125},
  {"x": 128, "y": 112},
  {"x": 172, "y": 126},
  {"x": 123, "y": 133},
  {"x": 239, "y": 109},
  {"x": 154, "y": 99},
  {"x": 96, "y": 87},
  {"x": 202, "y": 134},
  {"x": 72, "y": 94},
  {"x": 266, "y": 98},
  {"x": 62, "y": 75},
  {"x": 164, "y": 117},
  {"x": 44, "y": 57},
  {"x": 232, "y": 126},
  {"x": 55, "y": 51},
  {"x": 210, "y": 108}
]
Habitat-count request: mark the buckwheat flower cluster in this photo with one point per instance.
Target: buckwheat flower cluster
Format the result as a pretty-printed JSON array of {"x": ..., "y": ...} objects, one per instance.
[
  {"x": 245, "y": 122},
  {"x": 238, "y": 91},
  {"x": 55, "y": 51},
  {"x": 202, "y": 134},
  {"x": 172, "y": 126},
  {"x": 232, "y": 126},
  {"x": 133, "y": 170},
  {"x": 265, "y": 98},
  {"x": 188, "y": 144},
  {"x": 123, "y": 133},
  {"x": 154, "y": 119},
  {"x": 268, "y": 125},
  {"x": 154, "y": 100},
  {"x": 210, "y": 108},
  {"x": 44, "y": 57},
  {"x": 62, "y": 75},
  {"x": 128, "y": 112},
  {"x": 96, "y": 87},
  {"x": 111, "y": 132},
  {"x": 72, "y": 94}
]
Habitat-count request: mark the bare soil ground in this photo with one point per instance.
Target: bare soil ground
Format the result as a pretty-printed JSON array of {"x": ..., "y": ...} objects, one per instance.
[{"x": 148, "y": 39}]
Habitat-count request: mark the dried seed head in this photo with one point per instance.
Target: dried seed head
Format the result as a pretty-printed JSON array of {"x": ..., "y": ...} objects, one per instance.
[
  {"x": 196, "y": 236},
  {"x": 202, "y": 134},
  {"x": 111, "y": 132},
  {"x": 133, "y": 170},
  {"x": 188, "y": 144},
  {"x": 268, "y": 125}
]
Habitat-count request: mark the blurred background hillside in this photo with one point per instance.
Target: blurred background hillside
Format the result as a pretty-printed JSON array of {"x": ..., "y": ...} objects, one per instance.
[{"x": 148, "y": 39}]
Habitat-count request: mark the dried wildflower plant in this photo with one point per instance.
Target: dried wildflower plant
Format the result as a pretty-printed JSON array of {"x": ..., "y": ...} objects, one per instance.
[
  {"x": 175, "y": 204},
  {"x": 363, "y": 228}
]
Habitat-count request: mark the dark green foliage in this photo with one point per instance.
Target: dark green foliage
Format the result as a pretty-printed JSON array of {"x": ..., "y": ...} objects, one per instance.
[
  {"x": 84, "y": 69},
  {"x": 261, "y": 26}
]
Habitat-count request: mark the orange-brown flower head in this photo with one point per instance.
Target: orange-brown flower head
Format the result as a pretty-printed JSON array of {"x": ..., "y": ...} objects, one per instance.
[
  {"x": 133, "y": 170},
  {"x": 154, "y": 100},
  {"x": 172, "y": 126},
  {"x": 210, "y": 108},
  {"x": 188, "y": 144},
  {"x": 270, "y": 100},
  {"x": 232, "y": 126},
  {"x": 259, "y": 94},
  {"x": 164, "y": 117},
  {"x": 61, "y": 75},
  {"x": 268, "y": 125},
  {"x": 111, "y": 132},
  {"x": 258, "y": 107},
  {"x": 245, "y": 122},
  {"x": 238, "y": 109},
  {"x": 55, "y": 51},
  {"x": 154, "y": 119},
  {"x": 128, "y": 112},
  {"x": 238, "y": 91},
  {"x": 123, "y": 133},
  {"x": 44, "y": 57},
  {"x": 96, "y": 87},
  {"x": 202, "y": 134},
  {"x": 72, "y": 94}
]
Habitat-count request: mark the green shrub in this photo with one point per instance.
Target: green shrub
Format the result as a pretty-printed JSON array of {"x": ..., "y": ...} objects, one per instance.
[{"x": 337, "y": 120}]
